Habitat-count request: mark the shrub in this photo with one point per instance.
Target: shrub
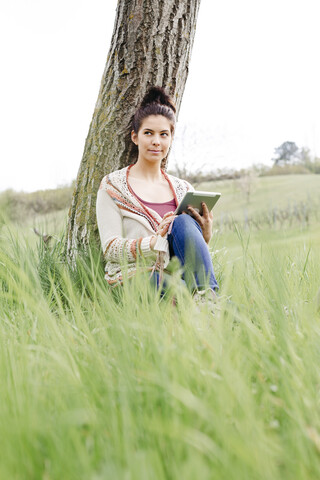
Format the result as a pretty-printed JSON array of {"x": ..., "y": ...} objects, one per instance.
[{"x": 18, "y": 206}]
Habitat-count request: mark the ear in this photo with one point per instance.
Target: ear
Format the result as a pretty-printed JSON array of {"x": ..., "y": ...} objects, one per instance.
[{"x": 134, "y": 137}]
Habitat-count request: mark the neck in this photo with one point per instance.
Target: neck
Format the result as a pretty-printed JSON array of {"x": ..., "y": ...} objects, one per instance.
[{"x": 147, "y": 171}]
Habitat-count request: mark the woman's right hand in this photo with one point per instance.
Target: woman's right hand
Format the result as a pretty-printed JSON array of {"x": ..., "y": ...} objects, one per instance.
[
  {"x": 163, "y": 227},
  {"x": 165, "y": 223}
]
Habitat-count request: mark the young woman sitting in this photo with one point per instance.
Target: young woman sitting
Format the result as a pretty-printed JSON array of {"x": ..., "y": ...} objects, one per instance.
[{"x": 135, "y": 208}]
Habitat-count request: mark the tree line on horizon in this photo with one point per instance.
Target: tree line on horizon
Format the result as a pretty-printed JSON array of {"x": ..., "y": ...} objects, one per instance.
[{"x": 289, "y": 159}]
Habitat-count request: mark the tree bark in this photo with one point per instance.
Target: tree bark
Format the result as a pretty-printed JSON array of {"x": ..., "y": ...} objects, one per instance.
[{"x": 151, "y": 45}]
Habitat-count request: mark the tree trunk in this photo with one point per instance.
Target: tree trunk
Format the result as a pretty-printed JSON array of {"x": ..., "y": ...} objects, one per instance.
[{"x": 151, "y": 45}]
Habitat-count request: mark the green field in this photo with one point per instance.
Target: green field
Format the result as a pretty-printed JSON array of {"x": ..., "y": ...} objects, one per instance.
[
  {"x": 287, "y": 194},
  {"x": 96, "y": 385}
]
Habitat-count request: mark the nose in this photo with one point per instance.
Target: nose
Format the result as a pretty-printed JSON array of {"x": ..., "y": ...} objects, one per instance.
[{"x": 156, "y": 140}]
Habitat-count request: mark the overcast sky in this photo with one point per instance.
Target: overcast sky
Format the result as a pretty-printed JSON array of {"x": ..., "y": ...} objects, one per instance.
[{"x": 253, "y": 84}]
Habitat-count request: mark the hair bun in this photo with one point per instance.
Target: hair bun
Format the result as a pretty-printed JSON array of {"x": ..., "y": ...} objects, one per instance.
[{"x": 157, "y": 95}]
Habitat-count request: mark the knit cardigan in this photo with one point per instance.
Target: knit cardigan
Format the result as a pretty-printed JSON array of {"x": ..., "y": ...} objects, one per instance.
[{"x": 126, "y": 225}]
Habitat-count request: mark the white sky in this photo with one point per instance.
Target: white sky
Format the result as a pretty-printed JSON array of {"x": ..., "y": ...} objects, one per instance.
[{"x": 253, "y": 84}]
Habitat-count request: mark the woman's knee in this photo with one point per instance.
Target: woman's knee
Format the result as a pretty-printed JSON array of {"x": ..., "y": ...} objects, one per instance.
[{"x": 185, "y": 223}]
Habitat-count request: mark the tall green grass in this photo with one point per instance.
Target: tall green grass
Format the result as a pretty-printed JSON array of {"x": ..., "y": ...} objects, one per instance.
[{"x": 96, "y": 384}]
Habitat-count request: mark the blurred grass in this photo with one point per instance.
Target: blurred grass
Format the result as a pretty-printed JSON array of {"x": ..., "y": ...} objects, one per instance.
[{"x": 96, "y": 384}]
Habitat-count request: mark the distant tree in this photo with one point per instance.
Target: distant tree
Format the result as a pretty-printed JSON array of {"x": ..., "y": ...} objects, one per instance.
[
  {"x": 310, "y": 162},
  {"x": 287, "y": 152},
  {"x": 305, "y": 155},
  {"x": 151, "y": 45}
]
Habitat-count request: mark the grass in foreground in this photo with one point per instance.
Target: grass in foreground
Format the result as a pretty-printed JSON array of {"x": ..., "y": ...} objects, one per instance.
[{"x": 99, "y": 386}]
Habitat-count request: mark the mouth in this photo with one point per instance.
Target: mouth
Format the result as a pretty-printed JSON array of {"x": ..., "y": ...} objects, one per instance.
[{"x": 155, "y": 151}]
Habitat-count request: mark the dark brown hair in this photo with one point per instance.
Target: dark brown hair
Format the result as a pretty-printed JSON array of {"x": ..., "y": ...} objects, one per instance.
[{"x": 155, "y": 102}]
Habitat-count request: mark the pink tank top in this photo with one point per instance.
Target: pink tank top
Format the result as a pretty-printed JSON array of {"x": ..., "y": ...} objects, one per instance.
[{"x": 160, "y": 208}]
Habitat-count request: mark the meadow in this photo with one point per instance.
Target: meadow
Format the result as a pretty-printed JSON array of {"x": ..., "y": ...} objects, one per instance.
[{"x": 126, "y": 385}]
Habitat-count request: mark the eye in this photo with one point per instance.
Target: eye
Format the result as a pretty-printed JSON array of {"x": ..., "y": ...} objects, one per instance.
[
  {"x": 147, "y": 133},
  {"x": 164, "y": 134}
]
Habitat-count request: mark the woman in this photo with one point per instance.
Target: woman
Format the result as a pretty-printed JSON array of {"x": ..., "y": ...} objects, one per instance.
[{"x": 135, "y": 207}]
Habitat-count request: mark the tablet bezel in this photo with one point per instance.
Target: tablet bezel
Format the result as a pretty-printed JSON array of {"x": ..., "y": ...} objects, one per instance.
[{"x": 195, "y": 198}]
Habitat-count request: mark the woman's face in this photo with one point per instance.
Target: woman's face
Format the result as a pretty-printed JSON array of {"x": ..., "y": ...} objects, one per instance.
[{"x": 153, "y": 138}]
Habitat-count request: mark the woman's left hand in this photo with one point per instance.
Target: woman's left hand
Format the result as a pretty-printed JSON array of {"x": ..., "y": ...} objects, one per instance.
[{"x": 205, "y": 220}]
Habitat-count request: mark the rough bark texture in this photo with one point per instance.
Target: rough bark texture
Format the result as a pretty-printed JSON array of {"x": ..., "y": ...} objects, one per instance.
[{"x": 151, "y": 45}]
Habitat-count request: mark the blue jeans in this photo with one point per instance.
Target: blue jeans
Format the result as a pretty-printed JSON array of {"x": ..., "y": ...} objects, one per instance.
[{"x": 186, "y": 242}]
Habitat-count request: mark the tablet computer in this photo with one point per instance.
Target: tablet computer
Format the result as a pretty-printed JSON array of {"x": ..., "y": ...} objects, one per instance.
[{"x": 194, "y": 199}]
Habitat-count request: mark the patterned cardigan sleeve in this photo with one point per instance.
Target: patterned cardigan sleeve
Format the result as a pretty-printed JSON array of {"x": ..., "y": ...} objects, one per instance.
[{"x": 115, "y": 247}]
